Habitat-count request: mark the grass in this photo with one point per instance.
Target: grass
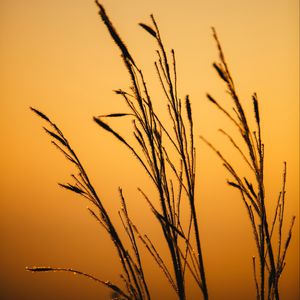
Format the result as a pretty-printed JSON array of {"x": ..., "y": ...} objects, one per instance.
[
  {"x": 271, "y": 253},
  {"x": 168, "y": 156}
]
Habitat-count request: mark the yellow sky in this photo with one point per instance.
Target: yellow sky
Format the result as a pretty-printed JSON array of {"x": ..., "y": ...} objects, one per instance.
[{"x": 57, "y": 56}]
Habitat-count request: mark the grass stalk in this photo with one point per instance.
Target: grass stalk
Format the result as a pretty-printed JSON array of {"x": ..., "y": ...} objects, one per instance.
[{"x": 270, "y": 271}]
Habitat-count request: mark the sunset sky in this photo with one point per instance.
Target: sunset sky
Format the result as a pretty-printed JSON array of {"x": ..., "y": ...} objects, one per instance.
[{"x": 58, "y": 57}]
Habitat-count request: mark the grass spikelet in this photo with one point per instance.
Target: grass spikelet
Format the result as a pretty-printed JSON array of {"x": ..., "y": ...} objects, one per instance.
[
  {"x": 57, "y": 137},
  {"x": 220, "y": 71},
  {"x": 148, "y": 29},
  {"x": 72, "y": 188},
  {"x": 211, "y": 99},
  {"x": 40, "y": 114},
  {"x": 109, "y": 129},
  {"x": 256, "y": 111},
  {"x": 115, "y": 115},
  {"x": 115, "y": 36},
  {"x": 188, "y": 108},
  {"x": 39, "y": 269},
  {"x": 234, "y": 184}
]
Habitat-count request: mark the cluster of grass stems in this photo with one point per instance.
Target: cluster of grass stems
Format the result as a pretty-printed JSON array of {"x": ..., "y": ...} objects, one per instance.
[
  {"x": 168, "y": 156},
  {"x": 271, "y": 253}
]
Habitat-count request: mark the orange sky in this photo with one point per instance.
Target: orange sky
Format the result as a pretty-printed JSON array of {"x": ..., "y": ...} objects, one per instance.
[{"x": 57, "y": 56}]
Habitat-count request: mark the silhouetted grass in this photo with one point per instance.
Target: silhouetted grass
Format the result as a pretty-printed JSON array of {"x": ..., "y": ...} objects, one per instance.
[
  {"x": 174, "y": 184},
  {"x": 133, "y": 276},
  {"x": 271, "y": 253},
  {"x": 168, "y": 156}
]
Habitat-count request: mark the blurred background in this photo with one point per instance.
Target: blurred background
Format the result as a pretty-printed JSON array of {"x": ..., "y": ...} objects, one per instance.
[{"x": 58, "y": 57}]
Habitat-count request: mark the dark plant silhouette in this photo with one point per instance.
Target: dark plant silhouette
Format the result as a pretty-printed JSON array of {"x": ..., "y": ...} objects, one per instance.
[
  {"x": 168, "y": 156},
  {"x": 271, "y": 256}
]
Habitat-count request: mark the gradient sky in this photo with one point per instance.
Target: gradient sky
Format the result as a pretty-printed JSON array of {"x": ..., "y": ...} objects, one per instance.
[{"x": 58, "y": 57}]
